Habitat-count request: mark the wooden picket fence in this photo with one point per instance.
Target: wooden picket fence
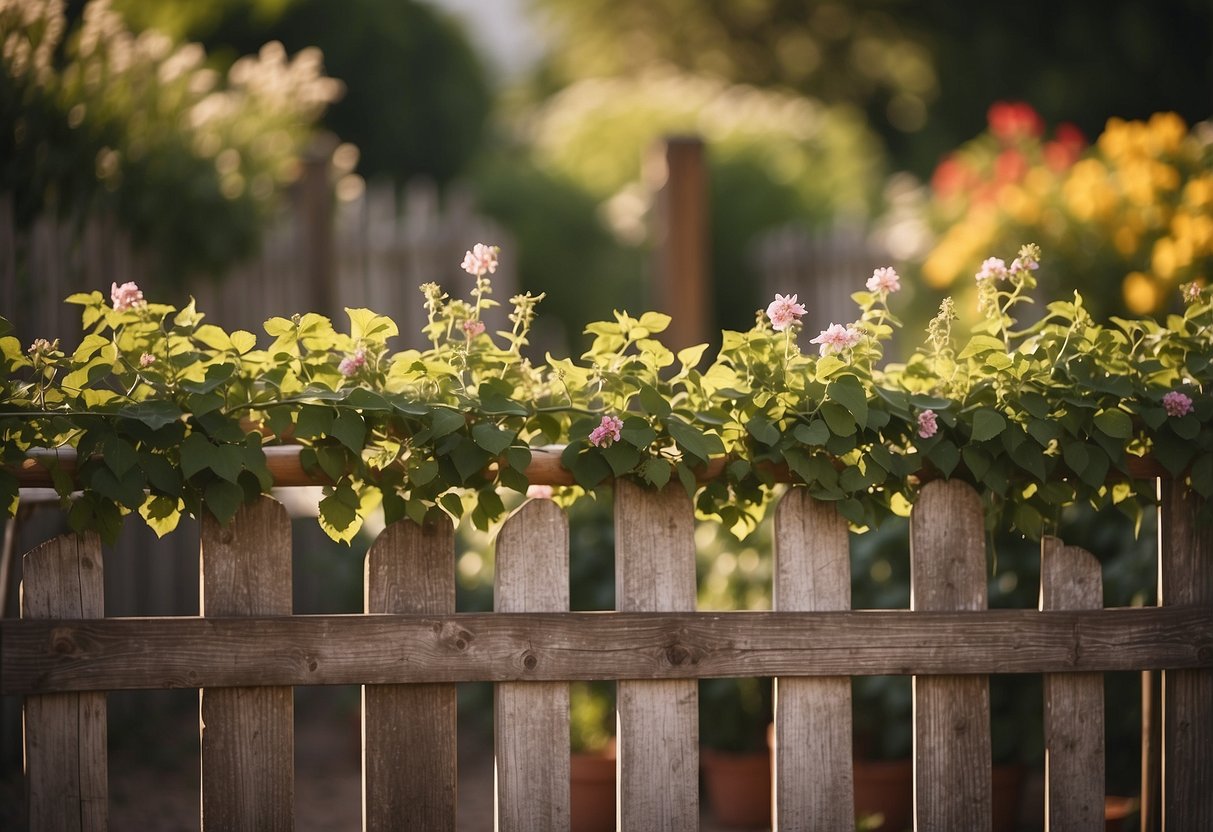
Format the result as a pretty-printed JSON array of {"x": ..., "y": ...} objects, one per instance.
[{"x": 245, "y": 651}]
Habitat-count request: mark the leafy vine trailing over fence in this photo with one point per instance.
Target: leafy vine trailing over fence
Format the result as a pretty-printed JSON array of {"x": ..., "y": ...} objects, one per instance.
[{"x": 168, "y": 414}]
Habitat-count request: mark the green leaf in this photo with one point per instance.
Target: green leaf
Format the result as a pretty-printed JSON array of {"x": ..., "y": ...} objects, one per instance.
[
  {"x": 120, "y": 456},
  {"x": 814, "y": 433},
  {"x": 692, "y": 440},
  {"x": 469, "y": 459},
  {"x": 314, "y": 421},
  {"x": 223, "y": 500},
  {"x": 848, "y": 391},
  {"x": 195, "y": 454},
  {"x": 153, "y": 413},
  {"x": 977, "y": 461},
  {"x": 1186, "y": 427},
  {"x": 518, "y": 457},
  {"x": 1044, "y": 431},
  {"x": 839, "y": 419},
  {"x": 653, "y": 402},
  {"x": 979, "y": 345},
  {"x": 161, "y": 474},
  {"x": 513, "y": 479},
  {"x": 637, "y": 432},
  {"x": 656, "y": 472},
  {"x": 763, "y": 430},
  {"x": 423, "y": 472},
  {"x": 161, "y": 513},
  {"x": 1114, "y": 423},
  {"x": 1076, "y": 456},
  {"x": 987, "y": 424},
  {"x": 1202, "y": 475},
  {"x": 945, "y": 456},
  {"x": 337, "y": 513},
  {"x": 445, "y": 421},
  {"x": 227, "y": 461},
  {"x": 622, "y": 457},
  {"x": 492, "y": 438},
  {"x": 349, "y": 429}
]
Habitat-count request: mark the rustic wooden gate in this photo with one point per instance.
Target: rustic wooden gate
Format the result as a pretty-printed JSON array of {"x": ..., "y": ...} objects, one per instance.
[{"x": 246, "y": 651}]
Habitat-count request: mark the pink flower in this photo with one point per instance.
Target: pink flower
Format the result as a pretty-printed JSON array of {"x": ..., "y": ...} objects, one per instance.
[
  {"x": 993, "y": 268},
  {"x": 609, "y": 431},
  {"x": 480, "y": 260},
  {"x": 1190, "y": 292},
  {"x": 927, "y": 426},
  {"x": 472, "y": 328},
  {"x": 539, "y": 492},
  {"x": 41, "y": 346},
  {"x": 837, "y": 338},
  {"x": 147, "y": 360},
  {"x": 884, "y": 280},
  {"x": 784, "y": 311},
  {"x": 127, "y": 296},
  {"x": 351, "y": 364},
  {"x": 1177, "y": 404}
]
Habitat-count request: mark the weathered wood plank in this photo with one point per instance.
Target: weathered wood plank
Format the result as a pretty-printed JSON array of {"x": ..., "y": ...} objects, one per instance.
[
  {"x": 1185, "y": 570},
  {"x": 182, "y": 652},
  {"x": 247, "y": 733},
  {"x": 952, "y": 787},
  {"x": 65, "y": 733},
  {"x": 531, "y": 719},
  {"x": 408, "y": 731},
  {"x": 1071, "y": 579},
  {"x": 658, "y": 741},
  {"x": 814, "y": 788}
]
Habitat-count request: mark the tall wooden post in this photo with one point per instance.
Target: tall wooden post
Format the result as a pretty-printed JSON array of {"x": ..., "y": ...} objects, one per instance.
[{"x": 678, "y": 173}]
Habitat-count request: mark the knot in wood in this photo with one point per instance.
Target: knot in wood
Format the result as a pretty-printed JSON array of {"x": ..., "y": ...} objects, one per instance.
[
  {"x": 529, "y": 660},
  {"x": 677, "y": 655},
  {"x": 62, "y": 642}
]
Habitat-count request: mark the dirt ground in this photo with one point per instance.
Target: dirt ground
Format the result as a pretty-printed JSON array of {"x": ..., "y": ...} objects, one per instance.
[{"x": 154, "y": 773}]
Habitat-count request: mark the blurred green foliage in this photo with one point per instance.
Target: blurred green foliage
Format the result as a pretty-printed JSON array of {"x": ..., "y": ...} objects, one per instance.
[
  {"x": 97, "y": 118},
  {"x": 923, "y": 72},
  {"x": 416, "y": 96}
]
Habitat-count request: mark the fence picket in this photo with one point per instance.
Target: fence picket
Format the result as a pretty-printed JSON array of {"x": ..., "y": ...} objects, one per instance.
[
  {"x": 1070, "y": 579},
  {"x": 408, "y": 731},
  {"x": 952, "y": 788},
  {"x": 248, "y": 740},
  {"x": 658, "y": 741},
  {"x": 65, "y": 733},
  {"x": 531, "y": 719},
  {"x": 813, "y": 784},
  {"x": 1186, "y": 577}
]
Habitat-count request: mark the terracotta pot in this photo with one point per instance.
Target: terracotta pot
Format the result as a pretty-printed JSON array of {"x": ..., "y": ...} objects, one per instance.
[
  {"x": 1007, "y": 791},
  {"x": 738, "y": 787},
  {"x": 592, "y": 792},
  {"x": 1116, "y": 810},
  {"x": 885, "y": 787}
]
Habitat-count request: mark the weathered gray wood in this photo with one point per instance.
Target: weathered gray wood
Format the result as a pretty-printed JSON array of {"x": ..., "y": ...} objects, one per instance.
[
  {"x": 1185, "y": 570},
  {"x": 65, "y": 733},
  {"x": 531, "y": 719},
  {"x": 1070, "y": 579},
  {"x": 813, "y": 783},
  {"x": 408, "y": 731},
  {"x": 181, "y": 652},
  {"x": 658, "y": 739},
  {"x": 247, "y": 733},
  {"x": 952, "y": 787}
]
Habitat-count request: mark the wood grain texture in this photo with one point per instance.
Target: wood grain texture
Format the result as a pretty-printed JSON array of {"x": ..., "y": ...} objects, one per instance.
[
  {"x": 531, "y": 719},
  {"x": 65, "y": 733},
  {"x": 952, "y": 787},
  {"x": 813, "y": 782},
  {"x": 181, "y": 652},
  {"x": 409, "y": 731},
  {"x": 248, "y": 739},
  {"x": 658, "y": 721},
  {"x": 1071, "y": 579},
  {"x": 1185, "y": 572}
]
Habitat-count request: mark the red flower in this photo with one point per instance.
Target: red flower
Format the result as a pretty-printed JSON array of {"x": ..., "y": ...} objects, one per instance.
[{"x": 1010, "y": 121}]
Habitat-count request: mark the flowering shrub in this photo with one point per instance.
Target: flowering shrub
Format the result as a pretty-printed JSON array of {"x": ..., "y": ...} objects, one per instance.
[
  {"x": 169, "y": 414},
  {"x": 1130, "y": 217}
]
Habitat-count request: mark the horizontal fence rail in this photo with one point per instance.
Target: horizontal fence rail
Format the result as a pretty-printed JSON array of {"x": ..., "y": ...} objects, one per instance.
[{"x": 187, "y": 652}]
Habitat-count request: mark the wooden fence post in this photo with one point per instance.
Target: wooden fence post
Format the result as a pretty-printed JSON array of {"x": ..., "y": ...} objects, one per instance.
[
  {"x": 1070, "y": 579},
  {"x": 952, "y": 788},
  {"x": 409, "y": 731},
  {"x": 1185, "y": 576},
  {"x": 683, "y": 285},
  {"x": 248, "y": 734},
  {"x": 814, "y": 786},
  {"x": 658, "y": 731},
  {"x": 531, "y": 719},
  {"x": 65, "y": 733}
]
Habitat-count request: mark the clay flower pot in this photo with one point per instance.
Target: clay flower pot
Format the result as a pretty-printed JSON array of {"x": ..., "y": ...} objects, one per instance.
[
  {"x": 738, "y": 787},
  {"x": 592, "y": 791}
]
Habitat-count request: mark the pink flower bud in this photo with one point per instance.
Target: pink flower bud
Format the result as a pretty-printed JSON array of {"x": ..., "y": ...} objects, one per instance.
[
  {"x": 884, "y": 280},
  {"x": 927, "y": 424},
  {"x": 482, "y": 259},
  {"x": 147, "y": 360},
  {"x": 784, "y": 311},
  {"x": 351, "y": 364},
  {"x": 472, "y": 328},
  {"x": 610, "y": 430},
  {"x": 1177, "y": 404},
  {"x": 127, "y": 296}
]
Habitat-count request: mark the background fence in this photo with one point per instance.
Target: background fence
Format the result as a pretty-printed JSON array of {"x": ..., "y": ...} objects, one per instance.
[{"x": 247, "y": 650}]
